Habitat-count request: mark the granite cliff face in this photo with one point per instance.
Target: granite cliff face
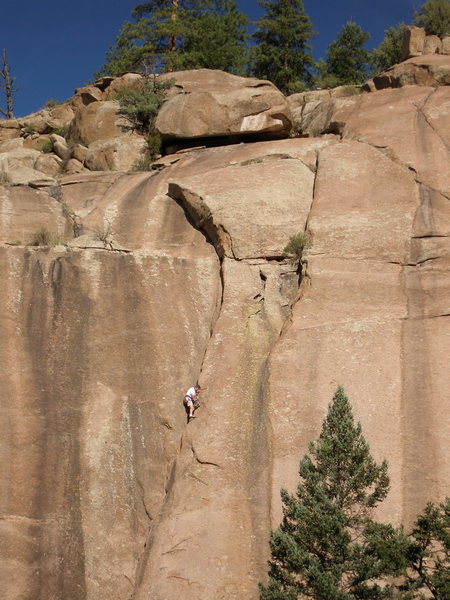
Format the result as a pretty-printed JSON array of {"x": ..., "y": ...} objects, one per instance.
[{"x": 177, "y": 274}]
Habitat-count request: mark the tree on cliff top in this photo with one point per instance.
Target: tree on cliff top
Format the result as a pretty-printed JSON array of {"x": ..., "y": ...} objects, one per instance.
[
  {"x": 327, "y": 545},
  {"x": 180, "y": 34},
  {"x": 434, "y": 17},
  {"x": 389, "y": 52},
  {"x": 282, "y": 53},
  {"x": 347, "y": 59}
]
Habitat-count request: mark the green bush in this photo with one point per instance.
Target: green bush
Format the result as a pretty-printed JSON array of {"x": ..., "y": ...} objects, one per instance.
[
  {"x": 295, "y": 247},
  {"x": 52, "y": 103},
  {"x": 29, "y": 129},
  {"x": 62, "y": 131},
  {"x": 140, "y": 108},
  {"x": 250, "y": 161},
  {"x": 43, "y": 237},
  {"x": 4, "y": 178},
  {"x": 47, "y": 146}
]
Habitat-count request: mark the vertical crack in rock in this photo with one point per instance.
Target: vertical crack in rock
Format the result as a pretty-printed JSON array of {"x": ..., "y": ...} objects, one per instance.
[
  {"x": 142, "y": 561},
  {"x": 258, "y": 339},
  {"x": 220, "y": 240},
  {"x": 422, "y": 119},
  {"x": 417, "y": 371}
]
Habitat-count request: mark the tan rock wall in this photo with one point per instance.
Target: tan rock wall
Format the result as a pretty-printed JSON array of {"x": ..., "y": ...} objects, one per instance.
[
  {"x": 88, "y": 456},
  {"x": 109, "y": 493}
]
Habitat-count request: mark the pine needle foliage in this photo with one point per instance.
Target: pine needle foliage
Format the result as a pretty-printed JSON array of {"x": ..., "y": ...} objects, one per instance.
[
  {"x": 180, "y": 34},
  {"x": 434, "y": 17},
  {"x": 347, "y": 59},
  {"x": 282, "y": 53},
  {"x": 140, "y": 108},
  {"x": 429, "y": 554},
  {"x": 390, "y": 50},
  {"x": 328, "y": 547}
]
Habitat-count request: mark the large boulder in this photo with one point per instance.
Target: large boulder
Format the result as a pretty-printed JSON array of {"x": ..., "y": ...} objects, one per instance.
[
  {"x": 118, "y": 154},
  {"x": 50, "y": 164},
  {"x": 86, "y": 95},
  {"x": 208, "y": 103},
  {"x": 425, "y": 70},
  {"x": 46, "y": 120},
  {"x": 19, "y": 167},
  {"x": 9, "y": 129},
  {"x": 97, "y": 121},
  {"x": 413, "y": 41},
  {"x": 132, "y": 81}
]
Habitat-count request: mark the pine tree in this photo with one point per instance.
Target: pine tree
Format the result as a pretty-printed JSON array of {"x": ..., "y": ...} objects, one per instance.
[
  {"x": 180, "y": 34},
  {"x": 389, "y": 52},
  {"x": 347, "y": 58},
  {"x": 282, "y": 52},
  {"x": 217, "y": 40},
  {"x": 434, "y": 17},
  {"x": 429, "y": 555},
  {"x": 328, "y": 546}
]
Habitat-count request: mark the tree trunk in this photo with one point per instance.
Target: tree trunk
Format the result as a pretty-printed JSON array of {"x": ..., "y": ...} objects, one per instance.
[
  {"x": 172, "y": 43},
  {"x": 8, "y": 86}
]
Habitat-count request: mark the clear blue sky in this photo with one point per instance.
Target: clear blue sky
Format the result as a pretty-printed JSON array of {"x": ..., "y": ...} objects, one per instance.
[{"x": 55, "y": 46}]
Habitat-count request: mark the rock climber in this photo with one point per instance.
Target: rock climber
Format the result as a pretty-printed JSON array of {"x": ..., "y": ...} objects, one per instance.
[{"x": 192, "y": 401}]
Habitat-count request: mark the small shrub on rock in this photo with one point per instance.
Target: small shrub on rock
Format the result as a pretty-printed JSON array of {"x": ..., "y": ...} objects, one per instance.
[
  {"x": 47, "y": 147},
  {"x": 295, "y": 247},
  {"x": 62, "y": 131},
  {"x": 140, "y": 108},
  {"x": 43, "y": 237},
  {"x": 52, "y": 103}
]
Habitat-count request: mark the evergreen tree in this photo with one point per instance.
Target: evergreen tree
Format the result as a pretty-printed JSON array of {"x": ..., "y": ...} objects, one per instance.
[
  {"x": 347, "y": 59},
  {"x": 180, "y": 34},
  {"x": 282, "y": 53},
  {"x": 429, "y": 554},
  {"x": 328, "y": 547},
  {"x": 389, "y": 52},
  {"x": 434, "y": 17},
  {"x": 217, "y": 40}
]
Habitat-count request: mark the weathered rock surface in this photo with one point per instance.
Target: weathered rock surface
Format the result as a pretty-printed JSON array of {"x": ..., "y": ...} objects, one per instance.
[
  {"x": 312, "y": 111},
  {"x": 176, "y": 275},
  {"x": 413, "y": 41},
  {"x": 428, "y": 70},
  {"x": 412, "y": 125},
  {"x": 19, "y": 167},
  {"x": 24, "y": 210},
  {"x": 207, "y": 103},
  {"x": 120, "y": 153},
  {"x": 86, "y": 95},
  {"x": 416, "y": 43},
  {"x": 97, "y": 121},
  {"x": 47, "y": 120}
]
